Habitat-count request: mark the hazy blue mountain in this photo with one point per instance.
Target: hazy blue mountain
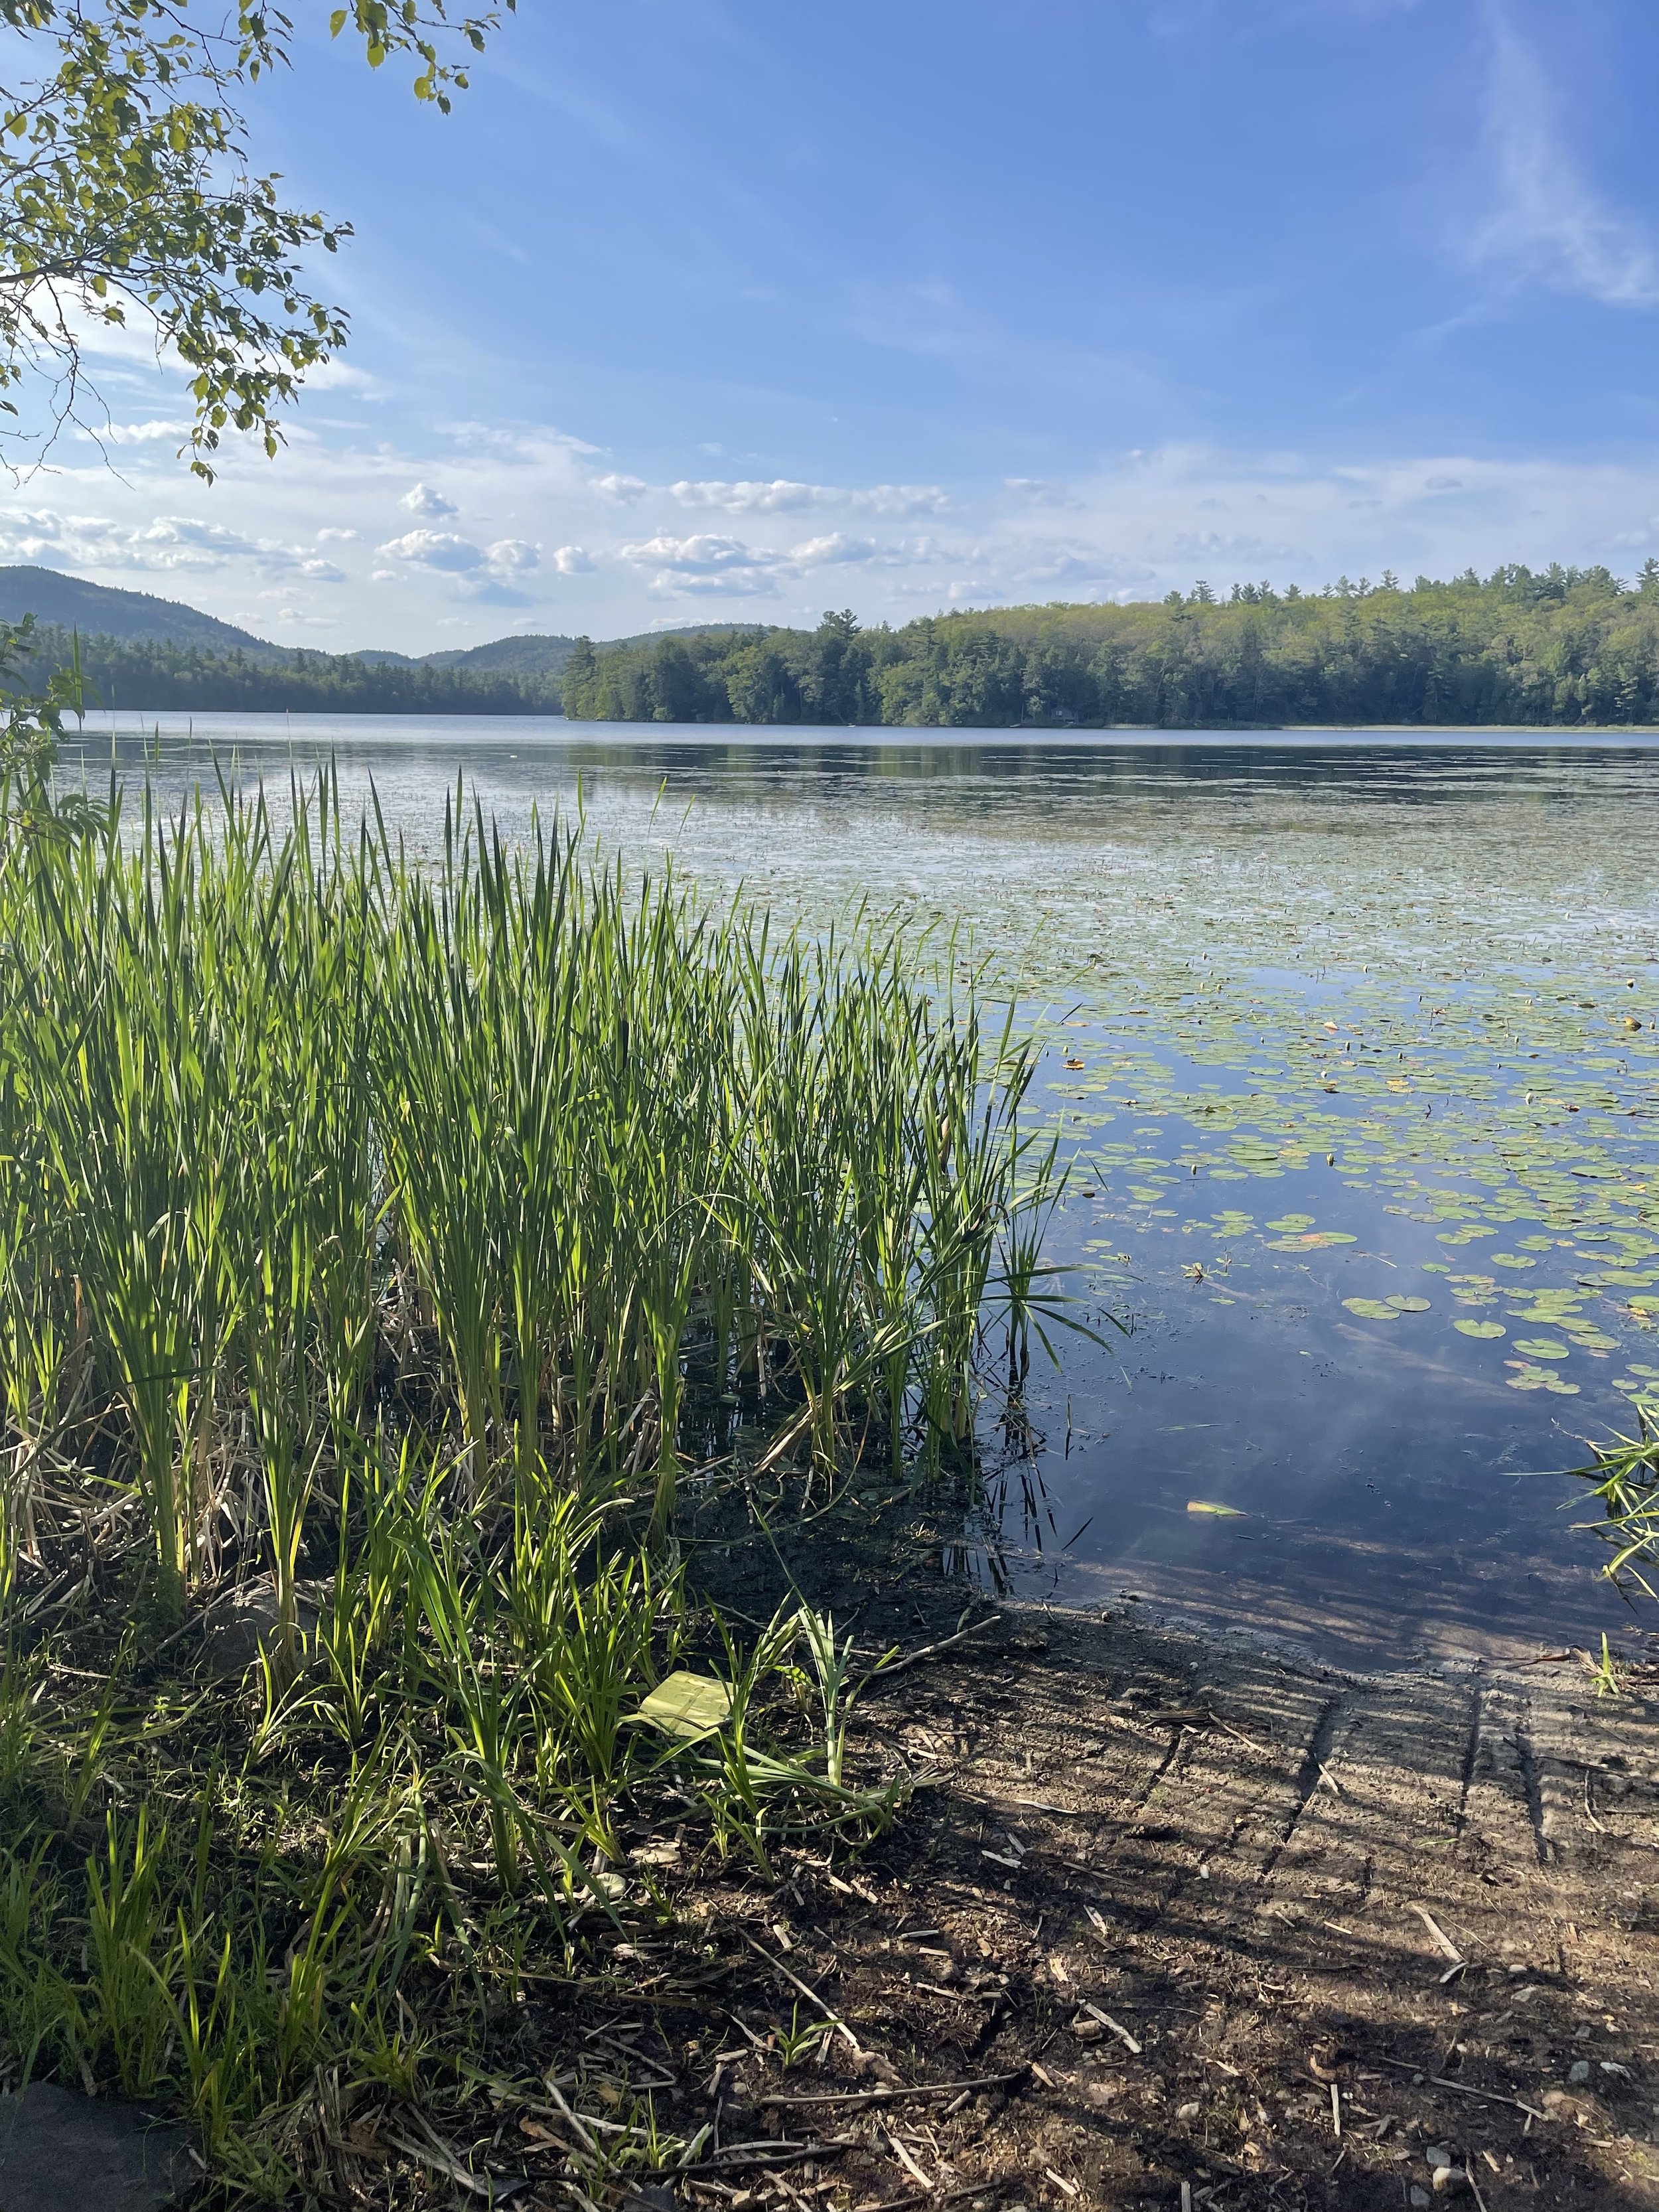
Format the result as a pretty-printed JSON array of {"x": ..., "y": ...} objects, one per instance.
[
  {"x": 508, "y": 656},
  {"x": 546, "y": 656},
  {"x": 99, "y": 610}
]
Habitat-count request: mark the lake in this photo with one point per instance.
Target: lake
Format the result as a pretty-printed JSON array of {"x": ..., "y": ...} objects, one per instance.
[{"x": 1352, "y": 1039}]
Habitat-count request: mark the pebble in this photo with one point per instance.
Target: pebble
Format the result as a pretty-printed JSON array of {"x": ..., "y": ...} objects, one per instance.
[
  {"x": 1579, "y": 2070},
  {"x": 1420, "y": 2199}
]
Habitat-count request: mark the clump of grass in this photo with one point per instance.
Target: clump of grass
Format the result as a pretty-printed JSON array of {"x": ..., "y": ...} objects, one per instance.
[
  {"x": 1624, "y": 1477},
  {"x": 379, "y": 1249}
]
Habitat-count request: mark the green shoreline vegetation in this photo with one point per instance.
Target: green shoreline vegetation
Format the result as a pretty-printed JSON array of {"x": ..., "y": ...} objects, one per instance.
[
  {"x": 1557, "y": 648},
  {"x": 1562, "y": 647},
  {"x": 154, "y": 676},
  {"x": 396, "y": 1270}
]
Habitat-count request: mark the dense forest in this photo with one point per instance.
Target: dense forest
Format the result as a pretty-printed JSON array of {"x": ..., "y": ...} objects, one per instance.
[
  {"x": 145, "y": 675},
  {"x": 1556, "y": 646}
]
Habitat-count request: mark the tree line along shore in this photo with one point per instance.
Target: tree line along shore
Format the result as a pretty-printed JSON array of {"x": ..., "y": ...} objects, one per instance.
[
  {"x": 1557, "y": 647},
  {"x": 151, "y": 676}
]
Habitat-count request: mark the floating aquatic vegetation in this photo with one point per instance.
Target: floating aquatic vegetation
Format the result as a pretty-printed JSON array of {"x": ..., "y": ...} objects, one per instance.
[{"x": 1342, "y": 1026}]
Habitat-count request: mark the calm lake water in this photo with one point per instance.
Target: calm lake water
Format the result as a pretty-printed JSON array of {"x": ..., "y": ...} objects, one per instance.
[{"x": 1353, "y": 1040}]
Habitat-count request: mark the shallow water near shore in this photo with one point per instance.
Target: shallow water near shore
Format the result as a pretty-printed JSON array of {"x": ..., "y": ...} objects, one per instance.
[{"x": 1353, "y": 1039}]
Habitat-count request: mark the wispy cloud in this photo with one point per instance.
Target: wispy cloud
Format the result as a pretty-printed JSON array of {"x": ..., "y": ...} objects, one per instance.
[
  {"x": 707, "y": 563},
  {"x": 1550, "y": 224},
  {"x": 165, "y": 544},
  {"x": 783, "y": 497}
]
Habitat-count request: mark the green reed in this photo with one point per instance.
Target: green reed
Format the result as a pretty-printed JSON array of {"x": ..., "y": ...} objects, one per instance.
[
  {"x": 1625, "y": 1478},
  {"x": 380, "y": 1246}
]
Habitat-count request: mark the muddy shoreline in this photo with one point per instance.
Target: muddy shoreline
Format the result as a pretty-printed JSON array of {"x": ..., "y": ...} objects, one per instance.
[{"x": 1164, "y": 1913}]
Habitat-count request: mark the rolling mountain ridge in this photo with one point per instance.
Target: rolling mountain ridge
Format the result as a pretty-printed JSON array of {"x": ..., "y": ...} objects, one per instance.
[{"x": 64, "y": 602}]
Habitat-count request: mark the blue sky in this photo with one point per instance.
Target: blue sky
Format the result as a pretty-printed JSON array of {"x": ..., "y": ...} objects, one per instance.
[{"x": 703, "y": 309}]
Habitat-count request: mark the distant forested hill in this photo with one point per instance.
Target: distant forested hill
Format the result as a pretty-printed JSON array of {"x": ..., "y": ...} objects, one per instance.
[
  {"x": 141, "y": 654},
  {"x": 70, "y": 602},
  {"x": 143, "y": 677},
  {"x": 1562, "y": 646},
  {"x": 548, "y": 656}
]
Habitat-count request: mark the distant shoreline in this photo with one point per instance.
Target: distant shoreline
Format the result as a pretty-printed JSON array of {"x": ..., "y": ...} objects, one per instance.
[{"x": 884, "y": 733}]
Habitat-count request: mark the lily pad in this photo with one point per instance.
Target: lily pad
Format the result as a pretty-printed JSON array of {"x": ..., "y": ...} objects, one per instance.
[
  {"x": 1402, "y": 1304},
  {"x": 1371, "y": 1309},
  {"x": 1484, "y": 1329},
  {"x": 1542, "y": 1347}
]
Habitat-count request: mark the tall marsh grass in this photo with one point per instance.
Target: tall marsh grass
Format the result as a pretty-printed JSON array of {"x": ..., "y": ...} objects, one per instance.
[{"x": 381, "y": 1248}]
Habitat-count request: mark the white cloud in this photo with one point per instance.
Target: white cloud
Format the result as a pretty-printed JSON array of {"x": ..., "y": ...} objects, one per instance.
[
  {"x": 431, "y": 505},
  {"x": 705, "y": 563},
  {"x": 820, "y": 552},
  {"x": 783, "y": 497},
  {"x": 1129, "y": 525},
  {"x": 434, "y": 549},
  {"x": 779, "y": 497},
  {"x": 191, "y": 535},
  {"x": 137, "y": 434},
  {"x": 622, "y": 489},
  {"x": 1550, "y": 224},
  {"x": 1037, "y": 492},
  {"x": 337, "y": 375},
  {"x": 512, "y": 555},
  {"x": 701, "y": 554},
  {"x": 729, "y": 583},
  {"x": 167, "y": 543},
  {"x": 533, "y": 444}
]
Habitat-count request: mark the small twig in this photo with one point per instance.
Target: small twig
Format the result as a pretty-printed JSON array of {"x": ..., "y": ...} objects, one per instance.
[
  {"x": 810, "y": 1993},
  {"x": 774, "y": 2154},
  {"x": 910, "y": 2165},
  {"x": 889, "y": 2095},
  {"x": 1447, "y": 1948},
  {"x": 571, "y": 2119},
  {"x": 1228, "y": 1729},
  {"x": 881, "y": 1673},
  {"x": 439, "y": 2158},
  {"x": 1116, "y": 2027},
  {"x": 945, "y": 2197},
  {"x": 1589, "y": 1813},
  {"x": 1462, "y": 2088}
]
